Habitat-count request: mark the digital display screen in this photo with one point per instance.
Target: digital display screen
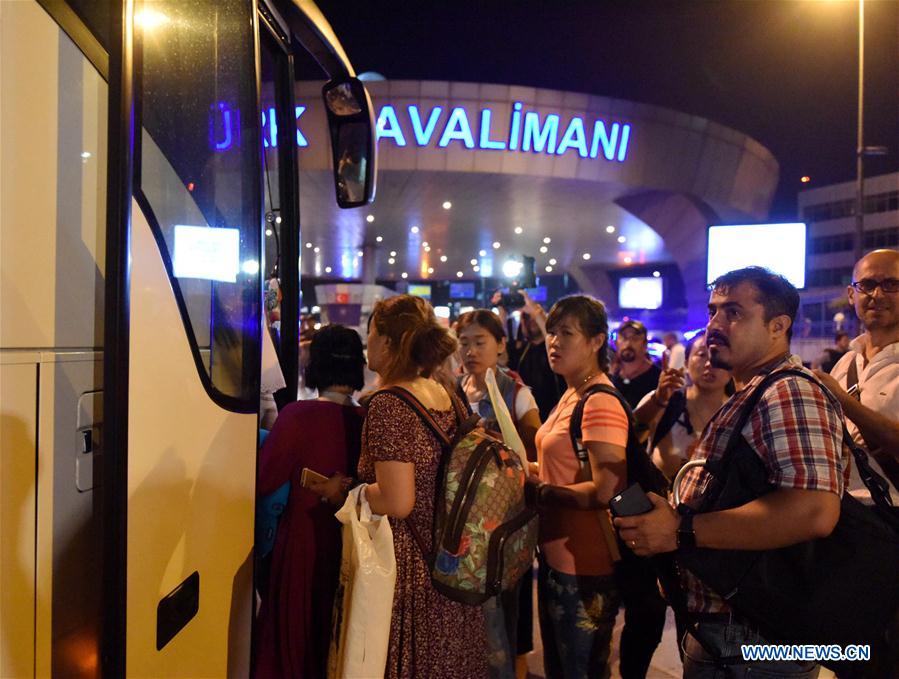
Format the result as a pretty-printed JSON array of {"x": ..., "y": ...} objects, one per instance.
[
  {"x": 462, "y": 291},
  {"x": 207, "y": 253},
  {"x": 778, "y": 247},
  {"x": 643, "y": 292},
  {"x": 423, "y": 291}
]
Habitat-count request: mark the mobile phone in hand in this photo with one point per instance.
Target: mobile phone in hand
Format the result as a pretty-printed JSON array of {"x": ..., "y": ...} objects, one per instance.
[
  {"x": 630, "y": 502},
  {"x": 308, "y": 477}
]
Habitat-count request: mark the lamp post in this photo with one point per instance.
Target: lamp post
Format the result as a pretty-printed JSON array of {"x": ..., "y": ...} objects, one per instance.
[
  {"x": 861, "y": 150},
  {"x": 860, "y": 145}
]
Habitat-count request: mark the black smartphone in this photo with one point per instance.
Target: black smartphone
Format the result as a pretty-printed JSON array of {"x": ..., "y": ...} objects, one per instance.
[{"x": 630, "y": 502}]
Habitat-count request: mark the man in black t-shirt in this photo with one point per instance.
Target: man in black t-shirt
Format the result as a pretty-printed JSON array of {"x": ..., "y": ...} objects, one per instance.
[{"x": 637, "y": 375}]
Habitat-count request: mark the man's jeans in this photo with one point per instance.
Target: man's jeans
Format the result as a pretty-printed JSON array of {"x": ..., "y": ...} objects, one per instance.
[{"x": 725, "y": 638}]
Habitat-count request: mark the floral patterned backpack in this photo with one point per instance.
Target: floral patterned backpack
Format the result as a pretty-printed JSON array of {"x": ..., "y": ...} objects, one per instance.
[{"x": 484, "y": 536}]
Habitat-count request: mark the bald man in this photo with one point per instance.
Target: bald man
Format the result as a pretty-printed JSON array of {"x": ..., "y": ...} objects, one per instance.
[{"x": 872, "y": 364}]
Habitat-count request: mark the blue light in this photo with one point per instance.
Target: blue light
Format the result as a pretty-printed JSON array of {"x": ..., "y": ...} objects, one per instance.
[
  {"x": 690, "y": 334},
  {"x": 515, "y": 126},
  {"x": 486, "y": 142},
  {"x": 575, "y": 137},
  {"x": 622, "y": 147},
  {"x": 608, "y": 142},
  {"x": 537, "y": 133},
  {"x": 457, "y": 128},
  {"x": 225, "y": 111},
  {"x": 395, "y": 132},
  {"x": 301, "y": 140},
  {"x": 539, "y": 138},
  {"x": 423, "y": 136},
  {"x": 273, "y": 128}
]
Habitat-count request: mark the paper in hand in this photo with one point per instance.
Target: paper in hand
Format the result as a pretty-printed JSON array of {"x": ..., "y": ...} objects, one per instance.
[{"x": 504, "y": 419}]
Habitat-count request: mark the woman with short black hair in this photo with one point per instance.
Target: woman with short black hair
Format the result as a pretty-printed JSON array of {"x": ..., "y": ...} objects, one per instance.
[{"x": 324, "y": 435}]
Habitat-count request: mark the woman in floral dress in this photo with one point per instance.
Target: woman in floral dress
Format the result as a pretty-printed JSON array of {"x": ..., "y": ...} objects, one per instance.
[{"x": 430, "y": 635}]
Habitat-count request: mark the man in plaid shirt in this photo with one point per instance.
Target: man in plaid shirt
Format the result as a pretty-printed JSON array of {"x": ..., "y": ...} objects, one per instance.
[{"x": 796, "y": 430}]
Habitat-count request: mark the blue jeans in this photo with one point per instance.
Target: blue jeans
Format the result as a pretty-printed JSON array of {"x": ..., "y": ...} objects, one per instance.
[
  {"x": 725, "y": 638},
  {"x": 577, "y": 615}
]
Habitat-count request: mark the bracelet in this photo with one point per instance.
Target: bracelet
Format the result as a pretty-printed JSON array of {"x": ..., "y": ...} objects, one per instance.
[{"x": 658, "y": 402}]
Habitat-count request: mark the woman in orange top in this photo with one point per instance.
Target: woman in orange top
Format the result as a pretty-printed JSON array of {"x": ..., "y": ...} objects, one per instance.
[{"x": 578, "y": 598}]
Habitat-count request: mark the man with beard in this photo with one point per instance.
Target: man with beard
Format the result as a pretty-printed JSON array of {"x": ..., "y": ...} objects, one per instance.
[
  {"x": 796, "y": 431},
  {"x": 637, "y": 375},
  {"x": 871, "y": 366}
]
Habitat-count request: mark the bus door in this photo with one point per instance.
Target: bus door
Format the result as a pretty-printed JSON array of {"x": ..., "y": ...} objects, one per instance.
[{"x": 184, "y": 313}]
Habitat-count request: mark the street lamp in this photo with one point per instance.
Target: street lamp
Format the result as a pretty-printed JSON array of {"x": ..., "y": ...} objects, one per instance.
[{"x": 861, "y": 150}]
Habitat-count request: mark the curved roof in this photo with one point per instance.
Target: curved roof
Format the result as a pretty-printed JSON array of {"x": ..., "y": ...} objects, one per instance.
[{"x": 557, "y": 165}]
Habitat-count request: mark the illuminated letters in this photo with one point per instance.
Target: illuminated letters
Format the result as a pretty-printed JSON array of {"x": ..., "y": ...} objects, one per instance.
[
  {"x": 395, "y": 132},
  {"x": 301, "y": 140},
  {"x": 537, "y": 137},
  {"x": 515, "y": 126},
  {"x": 423, "y": 136},
  {"x": 457, "y": 128},
  {"x": 608, "y": 142},
  {"x": 529, "y": 131},
  {"x": 486, "y": 142},
  {"x": 575, "y": 138}
]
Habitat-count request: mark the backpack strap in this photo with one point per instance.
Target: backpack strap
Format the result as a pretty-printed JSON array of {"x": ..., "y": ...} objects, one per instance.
[
  {"x": 852, "y": 376},
  {"x": 677, "y": 406},
  {"x": 878, "y": 486},
  {"x": 442, "y": 437},
  {"x": 574, "y": 427},
  {"x": 418, "y": 407}
]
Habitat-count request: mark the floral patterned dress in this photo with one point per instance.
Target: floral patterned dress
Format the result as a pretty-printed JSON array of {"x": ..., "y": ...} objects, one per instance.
[{"x": 430, "y": 635}]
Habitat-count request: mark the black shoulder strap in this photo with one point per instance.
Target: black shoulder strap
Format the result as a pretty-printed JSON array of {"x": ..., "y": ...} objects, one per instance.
[
  {"x": 878, "y": 486},
  {"x": 676, "y": 407},
  {"x": 574, "y": 427},
  {"x": 852, "y": 375}
]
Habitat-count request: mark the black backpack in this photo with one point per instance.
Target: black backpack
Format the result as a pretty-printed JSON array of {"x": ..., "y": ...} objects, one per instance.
[
  {"x": 842, "y": 589},
  {"x": 640, "y": 468}
]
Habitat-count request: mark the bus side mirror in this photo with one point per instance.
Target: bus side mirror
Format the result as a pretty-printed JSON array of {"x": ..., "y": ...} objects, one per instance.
[{"x": 352, "y": 127}]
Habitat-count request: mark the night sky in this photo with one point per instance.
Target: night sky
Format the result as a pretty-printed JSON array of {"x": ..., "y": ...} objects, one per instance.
[{"x": 783, "y": 71}]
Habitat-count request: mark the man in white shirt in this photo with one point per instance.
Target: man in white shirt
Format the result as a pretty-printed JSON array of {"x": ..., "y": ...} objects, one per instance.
[{"x": 866, "y": 379}]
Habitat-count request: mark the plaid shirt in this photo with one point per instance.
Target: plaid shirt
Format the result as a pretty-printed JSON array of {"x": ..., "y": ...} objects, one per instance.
[{"x": 797, "y": 431}]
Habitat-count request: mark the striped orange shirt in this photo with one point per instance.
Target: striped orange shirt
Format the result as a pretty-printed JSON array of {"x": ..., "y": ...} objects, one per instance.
[{"x": 571, "y": 540}]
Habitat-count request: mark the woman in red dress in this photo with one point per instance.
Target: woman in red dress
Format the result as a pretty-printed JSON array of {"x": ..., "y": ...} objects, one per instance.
[
  {"x": 430, "y": 635},
  {"x": 324, "y": 434}
]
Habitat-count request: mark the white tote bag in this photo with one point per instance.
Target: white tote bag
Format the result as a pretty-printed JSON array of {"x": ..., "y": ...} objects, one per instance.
[{"x": 364, "y": 601}]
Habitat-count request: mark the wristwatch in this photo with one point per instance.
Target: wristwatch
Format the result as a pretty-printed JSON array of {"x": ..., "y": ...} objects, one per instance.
[{"x": 686, "y": 537}]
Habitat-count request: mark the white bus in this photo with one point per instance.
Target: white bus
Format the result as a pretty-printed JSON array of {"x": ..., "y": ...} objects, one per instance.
[{"x": 142, "y": 179}]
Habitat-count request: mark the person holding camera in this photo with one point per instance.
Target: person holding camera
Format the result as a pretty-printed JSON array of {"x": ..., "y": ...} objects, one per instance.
[{"x": 526, "y": 347}]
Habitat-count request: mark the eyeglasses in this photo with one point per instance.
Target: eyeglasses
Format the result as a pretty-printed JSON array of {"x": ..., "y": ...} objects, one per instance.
[{"x": 869, "y": 285}]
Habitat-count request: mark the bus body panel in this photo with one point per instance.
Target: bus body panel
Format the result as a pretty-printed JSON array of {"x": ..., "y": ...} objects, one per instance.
[{"x": 191, "y": 488}]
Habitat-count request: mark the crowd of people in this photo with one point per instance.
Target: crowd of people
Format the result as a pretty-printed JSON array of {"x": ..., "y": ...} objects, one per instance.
[{"x": 731, "y": 389}]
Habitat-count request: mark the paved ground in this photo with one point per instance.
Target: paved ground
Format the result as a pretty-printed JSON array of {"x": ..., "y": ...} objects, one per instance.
[{"x": 666, "y": 662}]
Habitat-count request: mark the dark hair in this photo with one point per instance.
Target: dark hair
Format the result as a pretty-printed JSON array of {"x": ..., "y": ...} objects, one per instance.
[
  {"x": 840, "y": 335},
  {"x": 418, "y": 343},
  {"x": 693, "y": 340},
  {"x": 483, "y": 318},
  {"x": 335, "y": 358},
  {"x": 775, "y": 293},
  {"x": 591, "y": 318}
]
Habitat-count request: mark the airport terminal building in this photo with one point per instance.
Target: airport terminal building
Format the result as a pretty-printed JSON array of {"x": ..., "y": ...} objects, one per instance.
[{"x": 595, "y": 189}]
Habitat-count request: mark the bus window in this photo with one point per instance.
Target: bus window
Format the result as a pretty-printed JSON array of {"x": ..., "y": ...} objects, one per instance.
[{"x": 199, "y": 176}]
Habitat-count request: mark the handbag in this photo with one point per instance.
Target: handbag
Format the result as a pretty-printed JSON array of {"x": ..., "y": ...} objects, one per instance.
[
  {"x": 363, "y": 603},
  {"x": 842, "y": 589}
]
